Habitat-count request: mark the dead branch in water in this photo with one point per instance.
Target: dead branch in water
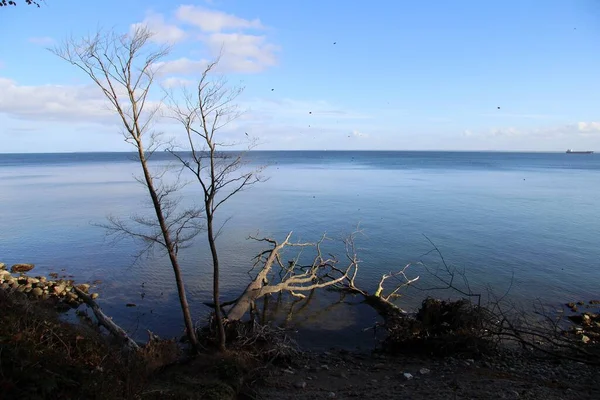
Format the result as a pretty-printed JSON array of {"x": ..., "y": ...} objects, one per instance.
[
  {"x": 118, "y": 332},
  {"x": 294, "y": 278}
]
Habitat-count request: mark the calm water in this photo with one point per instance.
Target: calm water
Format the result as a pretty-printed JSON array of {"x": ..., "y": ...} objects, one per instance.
[{"x": 533, "y": 215}]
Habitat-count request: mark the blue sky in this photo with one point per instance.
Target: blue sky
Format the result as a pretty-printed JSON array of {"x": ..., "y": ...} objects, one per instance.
[{"x": 406, "y": 75}]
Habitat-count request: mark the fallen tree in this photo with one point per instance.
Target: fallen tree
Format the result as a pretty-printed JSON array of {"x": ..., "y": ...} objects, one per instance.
[
  {"x": 118, "y": 332},
  {"x": 295, "y": 278}
]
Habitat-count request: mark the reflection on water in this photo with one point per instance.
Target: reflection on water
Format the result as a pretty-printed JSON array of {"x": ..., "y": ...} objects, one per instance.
[{"x": 491, "y": 214}]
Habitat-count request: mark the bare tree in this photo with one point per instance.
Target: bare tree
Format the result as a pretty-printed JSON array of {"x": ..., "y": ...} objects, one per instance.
[
  {"x": 123, "y": 67},
  {"x": 220, "y": 174}
]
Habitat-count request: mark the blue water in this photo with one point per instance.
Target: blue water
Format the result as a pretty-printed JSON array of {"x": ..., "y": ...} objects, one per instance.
[{"x": 529, "y": 218}]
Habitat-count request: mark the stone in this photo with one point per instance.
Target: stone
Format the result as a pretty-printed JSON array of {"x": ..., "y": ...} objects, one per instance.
[
  {"x": 21, "y": 268},
  {"x": 94, "y": 296},
  {"x": 72, "y": 296},
  {"x": 585, "y": 339},
  {"x": 325, "y": 367},
  {"x": 32, "y": 280},
  {"x": 37, "y": 292},
  {"x": 331, "y": 395},
  {"x": 4, "y": 275},
  {"x": 84, "y": 287},
  {"x": 2, "y": 265},
  {"x": 424, "y": 371},
  {"x": 300, "y": 385},
  {"x": 59, "y": 289},
  {"x": 408, "y": 376}
]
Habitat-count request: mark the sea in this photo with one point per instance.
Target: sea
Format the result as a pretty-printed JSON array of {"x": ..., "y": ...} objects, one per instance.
[{"x": 524, "y": 225}]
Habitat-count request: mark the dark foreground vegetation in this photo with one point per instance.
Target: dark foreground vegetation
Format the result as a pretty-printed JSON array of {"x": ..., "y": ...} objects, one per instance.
[{"x": 449, "y": 349}]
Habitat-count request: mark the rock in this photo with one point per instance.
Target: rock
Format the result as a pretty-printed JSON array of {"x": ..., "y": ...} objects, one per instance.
[
  {"x": 3, "y": 266},
  {"x": 407, "y": 375},
  {"x": 379, "y": 366},
  {"x": 325, "y": 367},
  {"x": 94, "y": 296},
  {"x": 32, "y": 280},
  {"x": 20, "y": 289},
  {"x": 300, "y": 385},
  {"x": 424, "y": 371},
  {"x": 43, "y": 279},
  {"x": 4, "y": 274},
  {"x": 4, "y": 286},
  {"x": 84, "y": 287},
  {"x": 130, "y": 305},
  {"x": 72, "y": 296},
  {"x": 37, "y": 292},
  {"x": 59, "y": 289},
  {"x": 21, "y": 268},
  {"x": 331, "y": 395},
  {"x": 585, "y": 339}
]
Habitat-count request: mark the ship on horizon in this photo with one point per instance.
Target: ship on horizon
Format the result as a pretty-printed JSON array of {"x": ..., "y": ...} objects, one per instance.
[{"x": 569, "y": 151}]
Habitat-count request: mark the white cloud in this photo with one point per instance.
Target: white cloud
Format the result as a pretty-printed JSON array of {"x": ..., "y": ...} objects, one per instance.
[
  {"x": 359, "y": 135},
  {"x": 163, "y": 32},
  {"x": 511, "y": 131},
  {"x": 214, "y": 21},
  {"x": 588, "y": 127},
  {"x": 53, "y": 102},
  {"x": 181, "y": 66},
  {"x": 173, "y": 82},
  {"x": 63, "y": 103},
  {"x": 573, "y": 129},
  {"x": 241, "y": 52},
  {"x": 238, "y": 53},
  {"x": 42, "y": 41}
]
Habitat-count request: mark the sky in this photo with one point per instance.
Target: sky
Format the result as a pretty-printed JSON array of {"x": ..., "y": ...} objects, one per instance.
[{"x": 511, "y": 75}]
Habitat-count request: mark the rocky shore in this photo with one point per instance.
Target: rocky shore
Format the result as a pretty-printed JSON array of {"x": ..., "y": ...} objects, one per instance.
[
  {"x": 40, "y": 287},
  {"x": 504, "y": 373},
  {"x": 507, "y": 374}
]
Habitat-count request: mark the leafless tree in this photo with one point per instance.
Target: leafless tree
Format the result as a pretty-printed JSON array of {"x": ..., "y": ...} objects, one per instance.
[
  {"x": 123, "y": 67},
  {"x": 220, "y": 174}
]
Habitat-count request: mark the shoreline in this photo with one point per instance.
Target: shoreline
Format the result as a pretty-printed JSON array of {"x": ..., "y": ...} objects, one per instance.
[{"x": 502, "y": 374}]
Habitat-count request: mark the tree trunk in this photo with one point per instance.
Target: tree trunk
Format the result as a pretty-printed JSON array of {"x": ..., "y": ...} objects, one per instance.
[
  {"x": 185, "y": 308},
  {"x": 216, "y": 292},
  {"x": 253, "y": 290},
  {"x": 108, "y": 323}
]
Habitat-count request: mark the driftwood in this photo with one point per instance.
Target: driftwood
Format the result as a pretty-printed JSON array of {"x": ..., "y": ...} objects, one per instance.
[
  {"x": 293, "y": 278},
  {"x": 118, "y": 332}
]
